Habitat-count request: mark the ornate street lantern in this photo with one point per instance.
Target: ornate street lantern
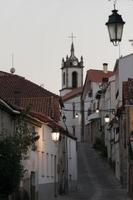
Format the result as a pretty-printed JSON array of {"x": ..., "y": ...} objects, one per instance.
[
  {"x": 76, "y": 115},
  {"x": 55, "y": 136},
  {"x": 115, "y": 27},
  {"x": 107, "y": 118},
  {"x": 97, "y": 110}
]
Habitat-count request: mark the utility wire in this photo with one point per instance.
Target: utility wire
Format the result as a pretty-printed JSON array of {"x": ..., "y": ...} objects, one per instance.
[{"x": 92, "y": 111}]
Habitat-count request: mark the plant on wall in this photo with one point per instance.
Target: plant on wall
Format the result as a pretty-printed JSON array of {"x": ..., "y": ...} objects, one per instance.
[{"x": 13, "y": 148}]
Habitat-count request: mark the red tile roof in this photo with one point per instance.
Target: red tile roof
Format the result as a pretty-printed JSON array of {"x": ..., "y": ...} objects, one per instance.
[
  {"x": 50, "y": 122},
  {"x": 22, "y": 85},
  {"x": 16, "y": 90},
  {"x": 97, "y": 75},
  {"x": 75, "y": 92}
]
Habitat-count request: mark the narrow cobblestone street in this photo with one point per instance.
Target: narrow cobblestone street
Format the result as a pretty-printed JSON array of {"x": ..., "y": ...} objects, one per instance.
[{"x": 96, "y": 180}]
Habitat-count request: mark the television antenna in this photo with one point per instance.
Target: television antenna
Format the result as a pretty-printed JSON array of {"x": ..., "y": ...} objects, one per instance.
[{"x": 12, "y": 70}]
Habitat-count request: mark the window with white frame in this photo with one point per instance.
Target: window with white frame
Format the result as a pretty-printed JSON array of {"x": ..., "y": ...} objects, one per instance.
[
  {"x": 52, "y": 166},
  {"x": 47, "y": 164},
  {"x": 73, "y": 129},
  {"x": 42, "y": 171}
]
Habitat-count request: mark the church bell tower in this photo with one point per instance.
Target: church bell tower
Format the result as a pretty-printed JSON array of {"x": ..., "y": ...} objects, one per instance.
[{"x": 72, "y": 72}]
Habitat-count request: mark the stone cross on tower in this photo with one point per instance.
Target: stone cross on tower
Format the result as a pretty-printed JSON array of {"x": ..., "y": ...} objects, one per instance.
[{"x": 72, "y": 37}]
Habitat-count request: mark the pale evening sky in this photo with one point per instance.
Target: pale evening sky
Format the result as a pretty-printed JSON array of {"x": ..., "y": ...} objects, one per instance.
[{"x": 36, "y": 32}]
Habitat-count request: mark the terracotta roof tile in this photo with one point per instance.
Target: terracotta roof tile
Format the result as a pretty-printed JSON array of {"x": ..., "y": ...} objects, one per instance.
[
  {"x": 16, "y": 90},
  {"x": 97, "y": 75},
  {"x": 22, "y": 85},
  {"x": 50, "y": 122},
  {"x": 73, "y": 93}
]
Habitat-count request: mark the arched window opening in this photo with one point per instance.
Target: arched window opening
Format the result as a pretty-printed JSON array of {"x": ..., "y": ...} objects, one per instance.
[
  {"x": 64, "y": 78},
  {"x": 74, "y": 79}
]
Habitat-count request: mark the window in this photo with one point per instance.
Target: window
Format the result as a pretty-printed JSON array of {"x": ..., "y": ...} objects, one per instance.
[
  {"x": 117, "y": 94},
  {"x": 94, "y": 106},
  {"x": 89, "y": 112},
  {"x": 47, "y": 164},
  {"x": 74, "y": 79},
  {"x": 90, "y": 93},
  {"x": 52, "y": 171},
  {"x": 64, "y": 78},
  {"x": 42, "y": 164},
  {"x": 55, "y": 168},
  {"x": 73, "y": 127},
  {"x": 73, "y": 109}
]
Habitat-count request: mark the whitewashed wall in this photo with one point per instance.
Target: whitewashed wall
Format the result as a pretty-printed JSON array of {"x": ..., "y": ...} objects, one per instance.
[
  {"x": 125, "y": 72},
  {"x": 70, "y": 121},
  {"x": 42, "y": 163},
  {"x": 72, "y": 163},
  {"x": 47, "y": 150}
]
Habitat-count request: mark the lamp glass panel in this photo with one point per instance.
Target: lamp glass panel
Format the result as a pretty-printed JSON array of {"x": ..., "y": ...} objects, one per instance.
[
  {"x": 119, "y": 31},
  {"x": 112, "y": 31},
  {"x": 107, "y": 119},
  {"x": 55, "y": 136}
]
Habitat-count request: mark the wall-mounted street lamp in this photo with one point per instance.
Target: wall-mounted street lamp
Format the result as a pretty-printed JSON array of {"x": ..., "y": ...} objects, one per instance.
[
  {"x": 76, "y": 115},
  {"x": 107, "y": 118},
  {"x": 55, "y": 136},
  {"x": 64, "y": 118},
  {"x": 115, "y": 27},
  {"x": 97, "y": 110}
]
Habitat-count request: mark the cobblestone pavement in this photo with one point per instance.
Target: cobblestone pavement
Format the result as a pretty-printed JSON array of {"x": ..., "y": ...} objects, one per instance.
[{"x": 96, "y": 180}]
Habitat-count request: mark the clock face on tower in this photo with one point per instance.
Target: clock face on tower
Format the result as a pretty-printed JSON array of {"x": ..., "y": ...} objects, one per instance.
[{"x": 75, "y": 63}]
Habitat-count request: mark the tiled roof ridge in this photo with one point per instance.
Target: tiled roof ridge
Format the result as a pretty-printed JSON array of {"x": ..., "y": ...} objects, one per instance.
[
  {"x": 5, "y": 74},
  {"x": 46, "y": 119},
  {"x": 34, "y": 113},
  {"x": 98, "y": 70},
  {"x": 30, "y": 98}
]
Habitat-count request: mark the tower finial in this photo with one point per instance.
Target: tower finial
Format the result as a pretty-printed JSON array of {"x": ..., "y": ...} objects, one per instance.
[
  {"x": 12, "y": 59},
  {"x": 72, "y": 49},
  {"x": 72, "y": 45}
]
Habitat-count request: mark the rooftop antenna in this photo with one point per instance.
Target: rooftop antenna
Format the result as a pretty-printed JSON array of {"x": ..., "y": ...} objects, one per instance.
[
  {"x": 12, "y": 70},
  {"x": 12, "y": 59}
]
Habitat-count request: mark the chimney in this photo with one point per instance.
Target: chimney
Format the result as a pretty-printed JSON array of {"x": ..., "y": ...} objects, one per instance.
[{"x": 105, "y": 68}]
